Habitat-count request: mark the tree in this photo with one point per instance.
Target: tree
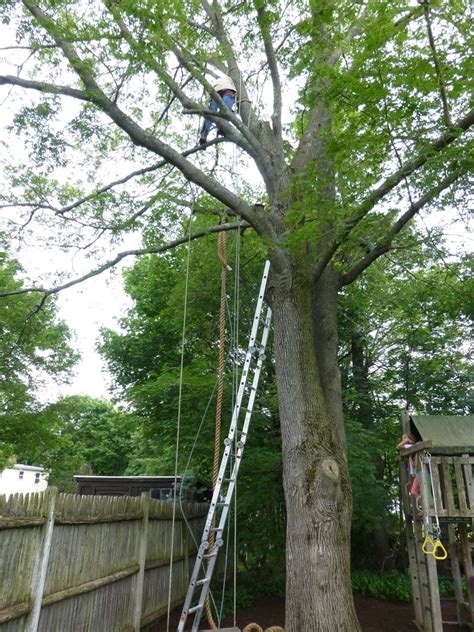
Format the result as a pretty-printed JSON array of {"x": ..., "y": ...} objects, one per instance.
[
  {"x": 402, "y": 346},
  {"x": 89, "y": 434},
  {"x": 144, "y": 358},
  {"x": 378, "y": 119},
  {"x": 33, "y": 347}
]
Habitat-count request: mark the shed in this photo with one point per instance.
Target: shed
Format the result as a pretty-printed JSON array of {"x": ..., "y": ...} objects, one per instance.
[
  {"x": 160, "y": 487},
  {"x": 443, "y": 431}
]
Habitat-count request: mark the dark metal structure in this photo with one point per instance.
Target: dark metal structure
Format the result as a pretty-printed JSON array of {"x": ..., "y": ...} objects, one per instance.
[
  {"x": 439, "y": 519},
  {"x": 160, "y": 487}
]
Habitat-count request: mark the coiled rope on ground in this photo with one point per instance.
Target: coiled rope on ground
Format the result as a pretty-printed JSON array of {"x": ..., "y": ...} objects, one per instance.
[{"x": 254, "y": 627}]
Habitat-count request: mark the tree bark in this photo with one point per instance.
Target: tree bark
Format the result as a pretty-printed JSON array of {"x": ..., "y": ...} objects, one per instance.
[
  {"x": 326, "y": 342},
  {"x": 315, "y": 475}
]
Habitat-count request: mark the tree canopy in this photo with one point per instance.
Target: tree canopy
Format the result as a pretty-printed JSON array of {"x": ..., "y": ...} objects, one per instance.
[
  {"x": 34, "y": 346},
  {"x": 353, "y": 119},
  {"x": 90, "y": 436}
]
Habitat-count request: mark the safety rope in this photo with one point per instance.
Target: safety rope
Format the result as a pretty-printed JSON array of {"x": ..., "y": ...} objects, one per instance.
[
  {"x": 236, "y": 387},
  {"x": 221, "y": 253},
  {"x": 180, "y": 398},
  {"x": 233, "y": 315}
]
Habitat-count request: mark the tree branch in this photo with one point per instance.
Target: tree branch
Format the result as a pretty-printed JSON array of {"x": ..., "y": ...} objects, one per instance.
[
  {"x": 43, "y": 86},
  {"x": 411, "y": 166},
  {"x": 274, "y": 168},
  {"x": 142, "y": 138},
  {"x": 385, "y": 244},
  {"x": 215, "y": 16},
  {"x": 127, "y": 253},
  {"x": 390, "y": 183},
  {"x": 262, "y": 19},
  {"x": 133, "y": 174},
  {"x": 251, "y": 146},
  {"x": 437, "y": 65},
  {"x": 353, "y": 32}
]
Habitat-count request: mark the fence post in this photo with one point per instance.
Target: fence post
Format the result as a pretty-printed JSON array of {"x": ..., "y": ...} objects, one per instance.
[
  {"x": 137, "y": 616},
  {"x": 38, "y": 575}
]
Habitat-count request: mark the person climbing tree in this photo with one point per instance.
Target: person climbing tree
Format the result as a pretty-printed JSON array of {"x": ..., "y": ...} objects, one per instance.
[{"x": 225, "y": 88}]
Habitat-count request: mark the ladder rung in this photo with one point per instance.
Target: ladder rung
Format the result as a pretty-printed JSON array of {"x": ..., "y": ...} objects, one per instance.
[
  {"x": 194, "y": 609},
  {"x": 213, "y": 554},
  {"x": 201, "y": 582}
]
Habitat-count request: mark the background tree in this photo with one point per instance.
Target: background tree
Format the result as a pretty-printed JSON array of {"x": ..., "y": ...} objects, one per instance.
[
  {"x": 144, "y": 358},
  {"x": 351, "y": 85},
  {"x": 403, "y": 345},
  {"x": 33, "y": 347},
  {"x": 90, "y": 437}
]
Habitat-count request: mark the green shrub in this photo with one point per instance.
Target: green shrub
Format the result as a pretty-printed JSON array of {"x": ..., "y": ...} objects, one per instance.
[{"x": 393, "y": 586}]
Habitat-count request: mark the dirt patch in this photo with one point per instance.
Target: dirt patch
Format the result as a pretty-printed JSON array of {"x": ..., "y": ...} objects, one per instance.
[{"x": 374, "y": 616}]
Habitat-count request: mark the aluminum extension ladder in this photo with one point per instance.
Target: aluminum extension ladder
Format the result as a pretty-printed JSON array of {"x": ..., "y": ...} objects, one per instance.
[{"x": 220, "y": 504}]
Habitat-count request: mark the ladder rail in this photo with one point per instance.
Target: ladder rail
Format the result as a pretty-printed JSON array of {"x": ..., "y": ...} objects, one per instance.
[
  {"x": 255, "y": 351},
  {"x": 230, "y": 491},
  {"x": 230, "y": 436},
  {"x": 212, "y": 560}
]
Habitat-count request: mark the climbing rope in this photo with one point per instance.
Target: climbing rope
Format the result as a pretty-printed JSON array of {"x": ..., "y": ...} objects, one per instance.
[
  {"x": 235, "y": 389},
  {"x": 432, "y": 544},
  {"x": 232, "y": 357},
  {"x": 222, "y": 254}
]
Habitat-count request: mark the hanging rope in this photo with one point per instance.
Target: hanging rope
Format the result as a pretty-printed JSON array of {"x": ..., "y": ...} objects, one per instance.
[
  {"x": 235, "y": 388},
  {"x": 233, "y": 315},
  {"x": 222, "y": 254},
  {"x": 178, "y": 423},
  {"x": 232, "y": 312}
]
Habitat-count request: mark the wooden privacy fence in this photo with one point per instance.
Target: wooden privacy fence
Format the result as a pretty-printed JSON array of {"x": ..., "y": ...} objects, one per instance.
[{"x": 91, "y": 563}]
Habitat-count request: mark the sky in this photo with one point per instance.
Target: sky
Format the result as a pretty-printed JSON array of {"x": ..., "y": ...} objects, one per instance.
[{"x": 86, "y": 308}]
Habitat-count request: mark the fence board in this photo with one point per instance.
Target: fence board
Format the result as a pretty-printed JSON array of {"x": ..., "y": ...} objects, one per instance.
[{"x": 92, "y": 580}]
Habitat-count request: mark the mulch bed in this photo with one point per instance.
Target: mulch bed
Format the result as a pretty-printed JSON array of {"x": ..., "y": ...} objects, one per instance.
[{"x": 374, "y": 616}]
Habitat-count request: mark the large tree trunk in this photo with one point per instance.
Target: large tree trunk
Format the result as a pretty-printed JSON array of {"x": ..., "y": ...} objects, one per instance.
[{"x": 315, "y": 475}]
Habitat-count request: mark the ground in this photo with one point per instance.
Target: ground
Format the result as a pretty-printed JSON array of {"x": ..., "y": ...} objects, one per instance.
[{"x": 374, "y": 616}]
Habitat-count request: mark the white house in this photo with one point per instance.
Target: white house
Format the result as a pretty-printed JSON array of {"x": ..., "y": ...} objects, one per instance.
[{"x": 23, "y": 479}]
